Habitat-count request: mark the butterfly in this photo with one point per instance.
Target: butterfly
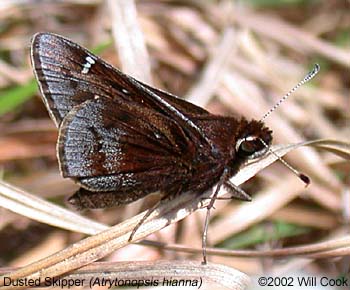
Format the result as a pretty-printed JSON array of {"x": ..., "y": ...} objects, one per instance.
[{"x": 121, "y": 139}]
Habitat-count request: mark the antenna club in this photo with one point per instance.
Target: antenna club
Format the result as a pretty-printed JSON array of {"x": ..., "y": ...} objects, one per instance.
[
  {"x": 312, "y": 73},
  {"x": 305, "y": 179},
  {"x": 316, "y": 69}
]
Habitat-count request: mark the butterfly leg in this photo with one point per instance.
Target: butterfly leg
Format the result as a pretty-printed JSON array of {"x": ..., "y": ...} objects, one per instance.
[
  {"x": 165, "y": 198},
  {"x": 236, "y": 192},
  {"x": 222, "y": 181}
]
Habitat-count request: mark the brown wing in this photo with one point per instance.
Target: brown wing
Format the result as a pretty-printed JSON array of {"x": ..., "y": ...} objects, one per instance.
[
  {"x": 69, "y": 74},
  {"x": 103, "y": 138},
  {"x": 187, "y": 108}
]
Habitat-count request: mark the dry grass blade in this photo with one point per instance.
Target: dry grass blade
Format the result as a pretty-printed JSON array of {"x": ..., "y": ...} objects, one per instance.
[
  {"x": 31, "y": 206},
  {"x": 340, "y": 148},
  {"x": 202, "y": 92},
  {"x": 332, "y": 248},
  {"x": 290, "y": 35},
  {"x": 130, "y": 41}
]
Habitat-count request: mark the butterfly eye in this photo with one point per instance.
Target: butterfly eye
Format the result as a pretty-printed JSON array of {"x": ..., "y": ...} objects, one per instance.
[
  {"x": 250, "y": 146},
  {"x": 247, "y": 147}
]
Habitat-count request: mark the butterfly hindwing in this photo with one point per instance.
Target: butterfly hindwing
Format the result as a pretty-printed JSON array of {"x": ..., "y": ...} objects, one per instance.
[{"x": 101, "y": 137}]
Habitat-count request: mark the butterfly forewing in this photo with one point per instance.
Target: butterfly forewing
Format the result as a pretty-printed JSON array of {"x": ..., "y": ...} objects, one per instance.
[
  {"x": 69, "y": 74},
  {"x": 58, "y": 70}
]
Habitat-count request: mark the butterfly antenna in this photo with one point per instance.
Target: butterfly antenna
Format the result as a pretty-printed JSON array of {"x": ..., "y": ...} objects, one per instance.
[{"x": 307, "y": 78}]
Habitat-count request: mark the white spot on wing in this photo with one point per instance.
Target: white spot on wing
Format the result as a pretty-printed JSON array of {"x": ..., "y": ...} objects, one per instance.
[
  {"x": 90, "y": 59},
  {"x": 89, "y": 62}
]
